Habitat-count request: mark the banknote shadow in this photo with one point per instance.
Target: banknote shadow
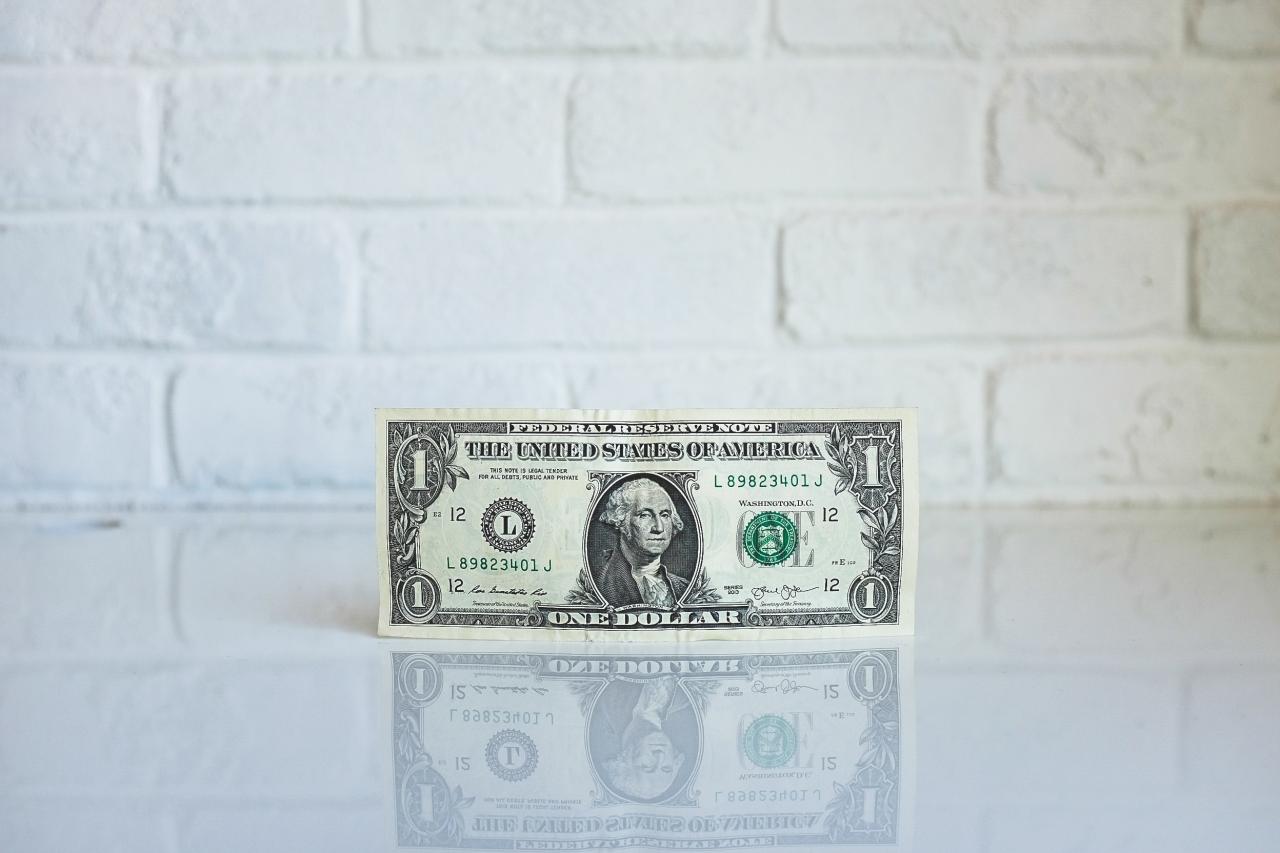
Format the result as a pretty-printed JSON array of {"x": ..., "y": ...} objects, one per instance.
[{"x": 775, "y": 748}]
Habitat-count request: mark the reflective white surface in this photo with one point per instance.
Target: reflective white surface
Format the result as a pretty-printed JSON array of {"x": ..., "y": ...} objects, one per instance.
[{"x": 1082, "y": 681}]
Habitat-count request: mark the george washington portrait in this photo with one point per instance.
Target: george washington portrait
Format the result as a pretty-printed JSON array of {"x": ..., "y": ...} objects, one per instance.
[{"x": 642, "y": 546}]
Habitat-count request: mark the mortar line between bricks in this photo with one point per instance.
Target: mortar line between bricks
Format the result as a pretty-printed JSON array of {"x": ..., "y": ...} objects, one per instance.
[
  {"x": 163, "y": 473},
  {"x": 987, "y": 346},
  {"x": 987, "y": 423},
  {"x": 166, "y": 558},
  {"x": 1190, "y": 273},
  {"x": 267, "y": 499},
  {"x": 584, "y": 206},
  {"x": 151, "y": 120},
  {"x": 490, "y": 63},
  {"x": 358, "y": 24},
  {"x": 780, "y": 331},
  {"x": 568, "y": 183},
  {"x": 765, "y": 42},
  {"x": 1171, "y": 61},
  {"x": 352, "y": 237},
  {"x": 495, "y": 62},
  {"x": 991, "y": 82},
  {"x": 165, "y": 190},
  {"x": 1184, "y": 40},
  {"x": 170, "y": 429}
]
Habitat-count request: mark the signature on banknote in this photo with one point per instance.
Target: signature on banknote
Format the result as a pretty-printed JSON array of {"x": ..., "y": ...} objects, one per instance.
[
  {"x": 786, "y": 592},
  {"x": 786, "y": 686},
  {"x": 518, "y": 590}
]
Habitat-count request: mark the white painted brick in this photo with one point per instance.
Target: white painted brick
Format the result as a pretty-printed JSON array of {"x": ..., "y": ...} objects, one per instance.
[
  {"x": 288, "y": 828},
  {"x": 311, "y": 582},
  {"x": 49, "y": 826},
  {"x": 418, "y": 27},
  {"x": 1236, "y": 27},
  {"x": 1129, "y": 584},
  {"x": 707, "y": 133},
  {"x": 979, "y": 27},
  {"x": 272, "y": 424},
  {"x": 248, "y": 728},
  {"x": 1237, "y": 270},
  {"x": 69, "y": 138},
  {"x": 1150, "y": 131},
  {"x": 436, "y": 283},
  {"x": 81, "y": 584},
  {"x": 1107, "y": 420},
  {"x": 1230, "y": 742},
  {"x": 1026, "y": 732},
  {"x": 906, "y": 276},
  {"x": 188, "y": 283},
  {"x": 65, "y": 425},
  {"x": 123, "y": 30},
  {"x": 946, "y": 390},
  {"x": 394, "y": 136}
]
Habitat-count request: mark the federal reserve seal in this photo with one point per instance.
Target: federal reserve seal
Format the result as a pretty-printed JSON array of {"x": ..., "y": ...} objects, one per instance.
[
  {"x": 511, "y": 755},
  {"x": 507, "y": 524},
  {"x": 770, "y": 741},
  {"x": 769, "y": 538}
]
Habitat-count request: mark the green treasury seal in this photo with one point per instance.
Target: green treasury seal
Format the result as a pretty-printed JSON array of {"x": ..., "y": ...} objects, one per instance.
[{"x": 769, "y": 538}]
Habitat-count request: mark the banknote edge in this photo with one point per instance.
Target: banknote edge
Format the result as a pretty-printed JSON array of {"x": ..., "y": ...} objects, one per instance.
[{"x": 905, "y": 626}]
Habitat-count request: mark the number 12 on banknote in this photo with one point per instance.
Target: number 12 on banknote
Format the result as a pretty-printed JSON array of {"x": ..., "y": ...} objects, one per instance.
[{"x": 646, "y": 525}]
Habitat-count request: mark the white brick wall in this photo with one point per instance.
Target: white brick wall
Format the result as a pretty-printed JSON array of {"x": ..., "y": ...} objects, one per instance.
[
  {"x": 227, "y": 231},
  {"x": 1237, "y": 258},
  {"x": 975, "y": 274},
  {"x": 72, "y": 138},
  {"x": 764, "y": 132},
  {"x": 1183, "y": 422},
  {"x": 978, "y": 27},
  {"x": 403, "y": 28},
  {"x": 364, "y": 135},
  {"x": 530, "y": 263},
  {"x": 161, "y": 30},
  {"x": 211, "y": 283},
  {"x": 1237, "y": 27},
  {"x": 1152, "y": 132}
]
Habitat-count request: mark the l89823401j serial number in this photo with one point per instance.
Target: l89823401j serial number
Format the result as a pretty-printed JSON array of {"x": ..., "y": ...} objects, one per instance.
[
  {"x": 497, "y": 564},
  {"x": 799, "y": 480}
]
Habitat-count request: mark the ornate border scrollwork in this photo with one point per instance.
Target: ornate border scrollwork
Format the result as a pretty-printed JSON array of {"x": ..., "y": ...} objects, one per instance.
[
  {"x": 850, "y": 817},
  {"x": 422, "y": 464}
]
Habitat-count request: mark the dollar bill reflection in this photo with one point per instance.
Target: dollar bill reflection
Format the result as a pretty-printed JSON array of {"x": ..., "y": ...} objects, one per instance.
[{"x": 569, "y": 751}]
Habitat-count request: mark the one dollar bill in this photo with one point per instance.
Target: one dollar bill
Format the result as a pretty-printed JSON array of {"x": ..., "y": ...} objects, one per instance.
[
  {"x": 694, "y": 524},
  {"x": 595, "y": 749}
]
